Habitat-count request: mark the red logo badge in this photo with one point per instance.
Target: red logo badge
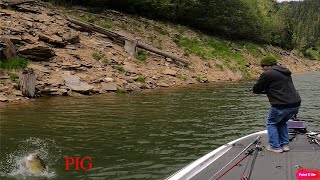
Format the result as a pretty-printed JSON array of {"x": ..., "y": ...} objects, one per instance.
[
  {"x": 308, "y": 174},
  {"x": 83, "y": 163}
]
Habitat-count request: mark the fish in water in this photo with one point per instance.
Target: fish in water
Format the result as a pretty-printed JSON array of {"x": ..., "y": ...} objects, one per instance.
[{"x": 35, "y": 164}]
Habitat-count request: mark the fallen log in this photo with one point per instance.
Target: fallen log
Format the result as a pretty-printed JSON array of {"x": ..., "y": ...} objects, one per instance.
[{"x": 122, "y": 39}]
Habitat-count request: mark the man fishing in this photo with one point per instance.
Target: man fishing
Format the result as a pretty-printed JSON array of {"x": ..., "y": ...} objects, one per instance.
[{"x": 276, "y": 82}]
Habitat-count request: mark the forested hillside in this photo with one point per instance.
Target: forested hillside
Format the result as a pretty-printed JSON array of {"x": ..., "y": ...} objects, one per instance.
[
  {"x": 306, "y": 27},
  {"x": 294, "y": 25}
]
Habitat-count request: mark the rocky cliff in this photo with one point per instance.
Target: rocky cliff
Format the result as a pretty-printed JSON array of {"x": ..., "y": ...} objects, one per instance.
[{"x": 70, "y": 60}]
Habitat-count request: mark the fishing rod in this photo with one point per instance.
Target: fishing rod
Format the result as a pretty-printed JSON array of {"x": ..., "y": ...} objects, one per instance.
[
  {"x": 257, "y": 149},
  {"x": 247, "y": 154},
  {"x": 253, "y": 142}
]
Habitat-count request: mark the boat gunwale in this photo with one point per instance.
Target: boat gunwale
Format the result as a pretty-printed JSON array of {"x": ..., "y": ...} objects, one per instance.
[{"x": 198, "y": 165}]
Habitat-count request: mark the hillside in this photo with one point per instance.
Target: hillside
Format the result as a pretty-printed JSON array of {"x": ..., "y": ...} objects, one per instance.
[{"x": 68, "y": 60}]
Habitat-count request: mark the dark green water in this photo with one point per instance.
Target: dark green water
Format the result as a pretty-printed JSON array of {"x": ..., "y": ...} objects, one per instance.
[{"x": 147, "y": 135}]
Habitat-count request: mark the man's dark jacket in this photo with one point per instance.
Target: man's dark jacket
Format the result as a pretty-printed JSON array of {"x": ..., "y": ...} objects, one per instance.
[{"x": 277, "y": 84}]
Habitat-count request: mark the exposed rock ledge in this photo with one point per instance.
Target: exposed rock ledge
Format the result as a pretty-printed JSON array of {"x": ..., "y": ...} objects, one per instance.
[{"x": 64, "y": 64}]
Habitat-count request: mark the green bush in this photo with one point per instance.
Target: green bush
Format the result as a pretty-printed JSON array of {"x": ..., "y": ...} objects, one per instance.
[
  {"x": 142, "y": 56},
  {"x": 14, "y": 63},
  {"x": 90, "y": 19},
  {"x": 87, "y": 17},
  {"x": 140, "y": 79},
  {"x": 106, "y": 24},
  {"x": 105, "y": 61},
  {"x": 136, "y": 29},
  {"x": 180, "y": 76},
  {"x": 251, "y": 48},
  {"x": 121, "y": 91},
  {"x": 219, "y": 66},
  {"x": 211, "y": 47},
  {"x": 98, "y": 56},
  {"x": 13, "y": 76},
  {"x": 160, "y": 30},
  {"x": 312, "y": 54},
  {"x": 120, "y": 68},
  {"x": 152, "y": 37}
]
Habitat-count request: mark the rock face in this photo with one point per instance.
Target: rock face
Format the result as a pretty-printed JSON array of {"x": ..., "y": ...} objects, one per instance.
[
  {"x": 36, "y": 52},
  {"x": 69, "y": 60}
]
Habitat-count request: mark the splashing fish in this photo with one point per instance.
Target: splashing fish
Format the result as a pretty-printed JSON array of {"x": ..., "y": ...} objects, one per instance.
[{"x": 35, "y": 164}]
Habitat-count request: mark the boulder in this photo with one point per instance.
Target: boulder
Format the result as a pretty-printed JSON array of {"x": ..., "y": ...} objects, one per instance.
[
  {"x": 43, "y": 18},
  {"x": 109, "y": 86},
  {"x": 14, "y": 39},
  {"x": 170, "y": 72},
  {"x": 28, "y": 38},
  {"x": 74, "y": 83},
  {"x": 36, "y": 52},
  {"x": 5, "y": 12},
  {"x": 163, "y": 84},
  {"x": 3, "y": 98},
  {"x": 28, "y": 9},
  {"x": 7, "y": 49},
  {"x": 38, "y": 68},
  {"x": 16, "y": 30},
  {"x": 133, "y": 87},
  {"x": 72, "y": 38},
  {"x": 52, "y": 39},
  {"x": 108, "y": 79},
  {"x": 131, "y": 68}
]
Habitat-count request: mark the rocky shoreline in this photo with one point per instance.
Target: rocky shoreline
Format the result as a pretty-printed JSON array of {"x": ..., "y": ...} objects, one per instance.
[{"x": 70, "y": 61}]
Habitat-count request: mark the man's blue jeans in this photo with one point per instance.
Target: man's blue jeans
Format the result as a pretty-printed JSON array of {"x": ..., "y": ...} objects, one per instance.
[{"x": 277, "y": 126}]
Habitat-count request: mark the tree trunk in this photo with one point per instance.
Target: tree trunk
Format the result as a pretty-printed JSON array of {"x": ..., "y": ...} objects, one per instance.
[
  {"x": 27, "y": 81},
  {"x": 122, "y": 39}
]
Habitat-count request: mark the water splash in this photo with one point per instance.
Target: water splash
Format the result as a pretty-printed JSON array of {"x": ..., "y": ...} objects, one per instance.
[{"x": 13, "y": 165}]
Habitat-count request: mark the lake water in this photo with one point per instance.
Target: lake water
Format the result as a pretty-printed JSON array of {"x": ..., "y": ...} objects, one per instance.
[{"x": 146, "y": 135}]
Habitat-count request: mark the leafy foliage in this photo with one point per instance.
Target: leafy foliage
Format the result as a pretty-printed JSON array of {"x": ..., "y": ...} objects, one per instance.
[
  {"x": 142, "y": 56},
  {"x": 306, "y": 21},
  {"x": 120, "y": 68},
  {"x": 292, "y": 25},
  {"x": 14, "y": 63},
  {"x": 13, "y": 76},
  {"x": 140, "y": 79}
]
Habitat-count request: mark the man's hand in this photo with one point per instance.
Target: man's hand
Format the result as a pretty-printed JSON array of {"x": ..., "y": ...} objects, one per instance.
[{"x": 249, "y": 89}]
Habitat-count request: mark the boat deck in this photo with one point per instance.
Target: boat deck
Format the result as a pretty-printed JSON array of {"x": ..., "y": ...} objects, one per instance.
[{"x": 268, "y": 165}]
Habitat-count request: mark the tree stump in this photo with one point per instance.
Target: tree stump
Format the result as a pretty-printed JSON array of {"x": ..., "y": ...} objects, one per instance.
[
  {"x": 27, "y": 82},
  {"x": 130, "y": 47}
]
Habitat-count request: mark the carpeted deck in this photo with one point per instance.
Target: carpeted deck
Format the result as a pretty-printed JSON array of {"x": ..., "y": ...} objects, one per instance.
[{"x": 268, "y": 165}]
